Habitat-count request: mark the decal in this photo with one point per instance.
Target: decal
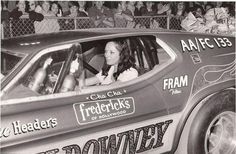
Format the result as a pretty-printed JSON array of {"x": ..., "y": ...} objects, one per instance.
[
  {"x": 196, "y": 58},
  {"x": 93, "y": 111},
  {"x": 177, "y": 82},
  {"x": 5, "y": 132},
  {"x": 109, "y": 94},
  {"x": 131, "y": 141},
  {"x": 20, "y": 128},
  {"x": 212, "y": 74},
  {"x": 198, "y": 44}
]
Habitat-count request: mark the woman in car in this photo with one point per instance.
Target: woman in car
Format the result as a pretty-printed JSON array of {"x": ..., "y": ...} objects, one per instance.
[{"x": 118, "y": 66}]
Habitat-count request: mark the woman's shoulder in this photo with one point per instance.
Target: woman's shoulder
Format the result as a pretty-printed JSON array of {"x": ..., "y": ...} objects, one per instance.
[{"x": 128, "y": 74}]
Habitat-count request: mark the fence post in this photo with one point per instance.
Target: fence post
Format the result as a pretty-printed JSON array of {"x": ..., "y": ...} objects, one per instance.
[
  {"x": 75, "y": 24},
  {"x": 2, "y": 31},
  {"x": 168, "y": 21}
]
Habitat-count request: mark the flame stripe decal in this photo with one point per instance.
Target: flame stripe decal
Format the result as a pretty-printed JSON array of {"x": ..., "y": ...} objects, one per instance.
[{"x": 211, "y": 74}]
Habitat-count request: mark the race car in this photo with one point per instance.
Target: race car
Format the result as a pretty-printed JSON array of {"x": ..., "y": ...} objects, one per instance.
[{"x": 183, "y": 100}]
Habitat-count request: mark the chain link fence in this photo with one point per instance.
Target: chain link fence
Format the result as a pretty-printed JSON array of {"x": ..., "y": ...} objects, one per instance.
[{"x": 25, "y": 26}]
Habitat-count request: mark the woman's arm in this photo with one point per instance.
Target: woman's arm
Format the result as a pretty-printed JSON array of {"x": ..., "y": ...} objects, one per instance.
[{"x": 91, "y": 81}]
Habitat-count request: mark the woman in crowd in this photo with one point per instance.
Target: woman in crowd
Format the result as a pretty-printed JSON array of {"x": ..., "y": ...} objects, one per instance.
[
  {"x": 179, "y": 14},
  {"x": 138, "y": 7},
  {"x": 82, "y": 9},
  {"x": 24, "y": 11},
  {"x": 118, "y": 66},
  {"x": 73, "y": 9},
  {"x": 122, "y": 16},
  {"x": 5, "y": 19},
  {"x": 56, "y": 9},
  {"x": 49, "y": 24},
  {"x": 198, "y": 11},
  {"x": 148, "y": 10},
  {"x": 101, "y": 16}
]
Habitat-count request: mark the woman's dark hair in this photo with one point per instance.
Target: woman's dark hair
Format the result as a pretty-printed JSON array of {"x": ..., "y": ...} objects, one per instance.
[
  {"x": 73, "y": 3},
  {"x": 58, "y": 5},
  {"x": 198, "y": 7},
  {"x": 175, "y": 9},
  {"x": 125, "y": 61}
]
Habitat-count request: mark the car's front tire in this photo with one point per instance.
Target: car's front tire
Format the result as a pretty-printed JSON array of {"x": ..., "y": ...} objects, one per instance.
[{"x": 213, "y": 129}]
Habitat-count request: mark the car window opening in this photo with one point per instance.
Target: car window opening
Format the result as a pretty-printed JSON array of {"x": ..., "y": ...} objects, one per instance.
[{"x": 67, "y": 70}]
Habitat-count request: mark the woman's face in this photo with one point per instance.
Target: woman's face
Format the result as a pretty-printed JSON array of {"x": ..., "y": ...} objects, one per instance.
[
  {"x": 99, "y": 4},
  {"x": 54, "y": 8},
  {"x": 46, "y": 6},
  {"x": 32, "y": 5},
  {"x": 21, "y": 5},
  {"x": 81, "y": 3},
  {"x": 123, "y": 5},
  {"x": 159, "y": 6},
  {"x": 226, "y": 9},
  {"x": 149, "y": 4},
  {"x": 199, "y": 11},
  {"x": 139, "y": 4},
  {"x": 112, "y": 55},
  {"x": 73, "y": 9},
  {"x": 180, "y": 6}
]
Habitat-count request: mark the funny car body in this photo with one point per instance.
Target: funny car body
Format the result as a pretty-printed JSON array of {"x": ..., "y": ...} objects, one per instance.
[{"x": 183, "y": 100}]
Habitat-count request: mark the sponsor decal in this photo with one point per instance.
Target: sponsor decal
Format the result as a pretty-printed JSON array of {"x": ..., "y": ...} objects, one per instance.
[
  {"x": 196, "y": 58},
  {"x": 131, "y": 141},
  {"x": 109, "y": 94},
  {"x": 94, "y": 111},
  {"x": 20, "y": 128},
  {"x": 198, "y": 44},
  {"x": 172, "y": 84}
]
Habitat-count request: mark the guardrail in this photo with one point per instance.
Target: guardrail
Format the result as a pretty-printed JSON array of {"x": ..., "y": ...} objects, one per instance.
[{"x": 24, "y": 26}]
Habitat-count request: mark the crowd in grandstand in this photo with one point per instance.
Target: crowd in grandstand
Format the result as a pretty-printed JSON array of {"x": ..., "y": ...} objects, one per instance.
[{"x": 46, "y": 16}]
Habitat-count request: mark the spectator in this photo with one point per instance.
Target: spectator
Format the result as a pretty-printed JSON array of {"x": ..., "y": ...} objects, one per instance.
[
  {"x": 83, "y": 22},
  {"x": 73, "y": 9},
  {"x": 228, "y": 8},
  {"x": 82, "y": 9},
  {"x": 4, "y": 12},
  {"x": 208, "y": 6},
  {"x": 69, "y": 24},
  {"x": 56, "y": 9},
  {"x": 101, "y": 16},
  {"x": 179, "y": 14},
  {"x": 148, "y": 10},
  {"x": 33, "y": 16},
  {"x": 20, "y": 20},
  {"x": 64, "y": 5},
  {"x": 162, "y": 8},
  {"x": 19, "y": 11},
  {"x": 131, "y": 7},
  {"x": 198, "y": 11},
  {"x": 48, "y": 24},
  {"x": 138, "y": 7},
  {"x": 122, "y": 17},
  {"x": 218, "y": 4},
  {"x": 4, "y": 19}
]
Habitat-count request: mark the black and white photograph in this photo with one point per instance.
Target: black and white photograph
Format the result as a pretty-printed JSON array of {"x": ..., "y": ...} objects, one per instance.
[{"x": 118, "y": 77}]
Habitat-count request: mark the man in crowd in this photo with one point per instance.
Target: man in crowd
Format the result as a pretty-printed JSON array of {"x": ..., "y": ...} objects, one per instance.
[{"x": 101, "y": 16}]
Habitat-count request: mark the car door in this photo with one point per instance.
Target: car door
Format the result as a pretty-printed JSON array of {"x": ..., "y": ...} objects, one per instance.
[{"x": 130, "y": 117}]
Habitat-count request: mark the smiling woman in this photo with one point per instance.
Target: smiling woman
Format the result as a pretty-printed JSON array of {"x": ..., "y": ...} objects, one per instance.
[{"x": 118, "y": 66}]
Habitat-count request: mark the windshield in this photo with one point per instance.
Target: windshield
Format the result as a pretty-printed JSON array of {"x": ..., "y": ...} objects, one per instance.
[{"x": 8, "y": 61}]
